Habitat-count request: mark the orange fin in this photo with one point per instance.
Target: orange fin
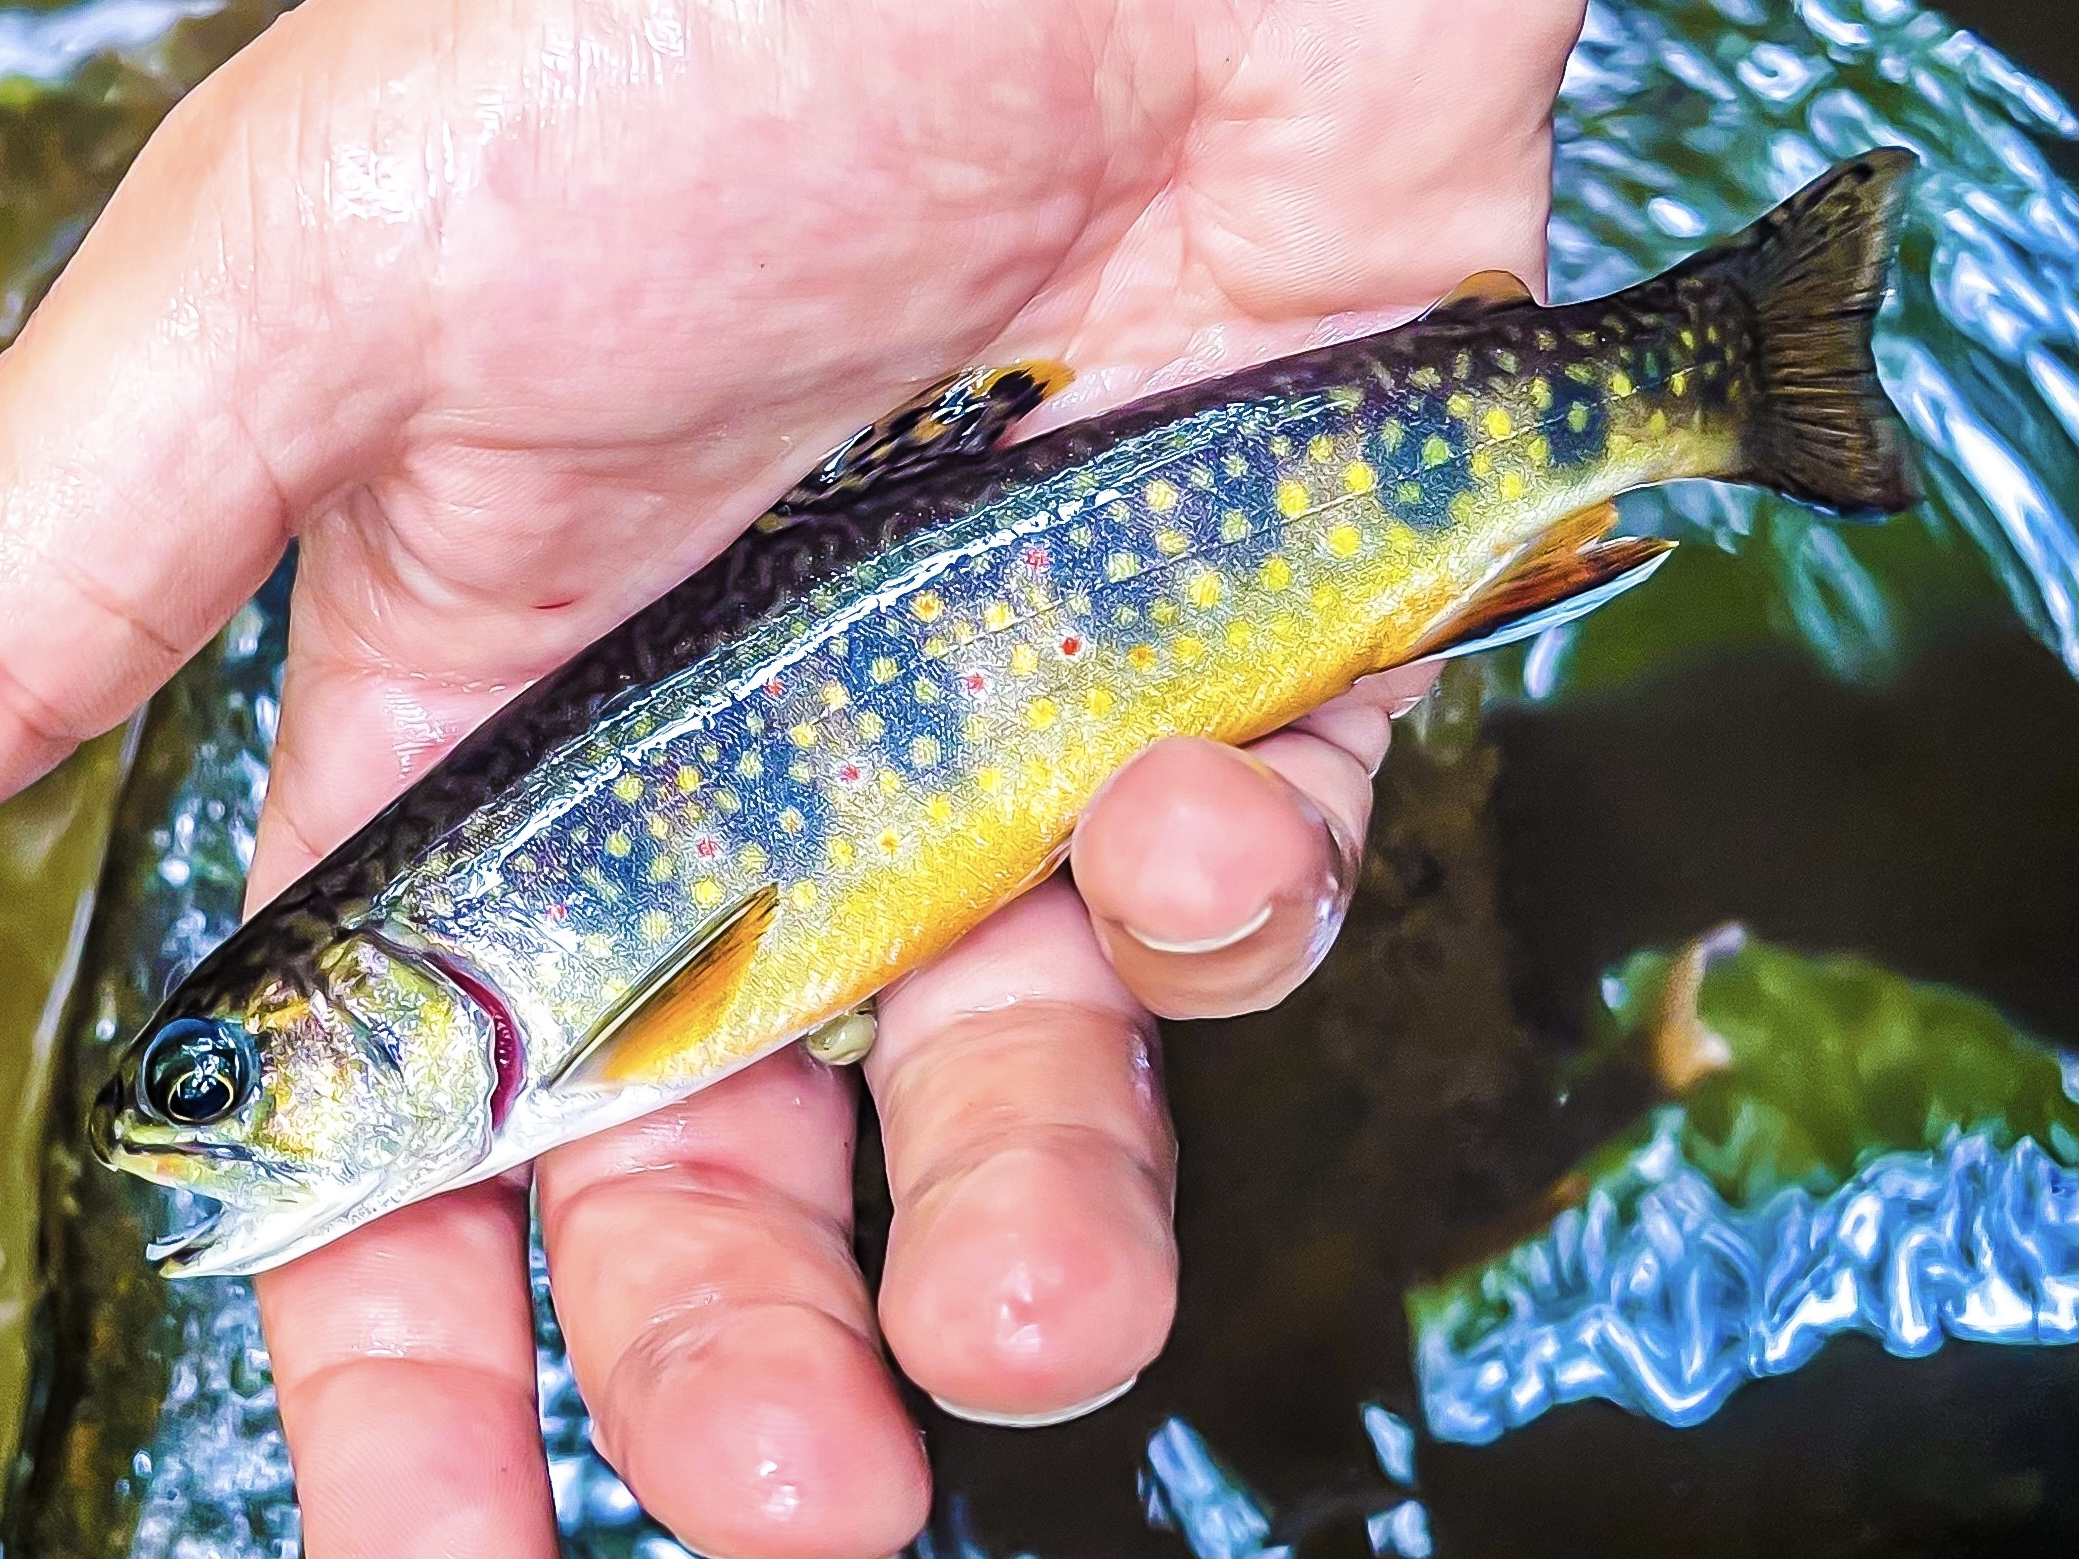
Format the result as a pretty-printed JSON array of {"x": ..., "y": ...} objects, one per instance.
[
  {"x": 1483, "y": 292},
  {"x": 956, "y": 419},
  {"x": 654, "y": 1024},
  {"x": 1554, "y": 583}
]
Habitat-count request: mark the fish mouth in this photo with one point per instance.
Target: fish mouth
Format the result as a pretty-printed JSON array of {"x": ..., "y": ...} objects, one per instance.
[{"x": 238, "y": 1241}]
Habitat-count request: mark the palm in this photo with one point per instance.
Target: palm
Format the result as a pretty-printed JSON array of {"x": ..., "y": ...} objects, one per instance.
[{"x": 550, "y": 303}]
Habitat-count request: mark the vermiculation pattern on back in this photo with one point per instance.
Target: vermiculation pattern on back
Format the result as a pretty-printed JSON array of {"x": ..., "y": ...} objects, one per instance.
[{"x": 929, "y": 690}]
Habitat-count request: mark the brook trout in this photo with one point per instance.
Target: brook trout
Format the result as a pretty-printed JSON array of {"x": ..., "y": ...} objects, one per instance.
[{"x": 875, "y": 718}]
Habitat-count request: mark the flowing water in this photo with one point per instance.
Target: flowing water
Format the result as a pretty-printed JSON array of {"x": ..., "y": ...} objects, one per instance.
[{"x": 1805, "y": 1296}]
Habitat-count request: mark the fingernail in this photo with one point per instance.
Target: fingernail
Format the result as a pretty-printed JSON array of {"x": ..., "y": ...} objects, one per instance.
[
  {"x": 978, "y": 1415},
  {"x": 1211, "y": 944}
]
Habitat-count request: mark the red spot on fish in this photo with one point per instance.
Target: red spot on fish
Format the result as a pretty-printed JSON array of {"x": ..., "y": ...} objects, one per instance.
[
  {"x": 1071, "y": 646},
  {"x": 1035, "y": 557},
  {"x": 974, "y": 681},
  {"x": 559, "y": 913},
  {"x": 849, "y": 774},
  {"x": 773, "y": 688},
  {"x": 706, "y": 848}
]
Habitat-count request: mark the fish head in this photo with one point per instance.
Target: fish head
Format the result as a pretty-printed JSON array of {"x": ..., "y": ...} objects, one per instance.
[{"x": 303, "y": 1104}]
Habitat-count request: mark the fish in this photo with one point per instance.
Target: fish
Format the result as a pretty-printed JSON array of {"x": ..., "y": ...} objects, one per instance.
[{"x": 875, "y": 718}]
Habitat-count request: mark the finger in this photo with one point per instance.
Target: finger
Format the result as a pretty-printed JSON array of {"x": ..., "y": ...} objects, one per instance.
[
  {"x": 1031, "y": 1269},
  {"x": 1216, "y": 878},
  {"x": 719, "y": 1328},
  {"x": 404, "y": 1359}
]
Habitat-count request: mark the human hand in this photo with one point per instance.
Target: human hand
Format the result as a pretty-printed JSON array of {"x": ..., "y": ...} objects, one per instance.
[{"x": 515, "y": 312}]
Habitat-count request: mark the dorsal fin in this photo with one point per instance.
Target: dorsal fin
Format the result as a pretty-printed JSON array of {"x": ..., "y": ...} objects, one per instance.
[
  {"x": 1564, "y": 577},
  {"x": 1481, "y": 293},
  {"x": 656, "y": 1022},
  {"x": 955, "y": 419}
]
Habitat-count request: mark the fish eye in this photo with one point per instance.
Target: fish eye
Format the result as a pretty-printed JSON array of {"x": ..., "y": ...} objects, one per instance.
[{"x": 195, "y": 1071}]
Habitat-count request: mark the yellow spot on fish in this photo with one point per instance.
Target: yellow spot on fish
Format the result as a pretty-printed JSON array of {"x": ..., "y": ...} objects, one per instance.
[
  {"x": 934, "y": 647},
  {"x": 1539, "y": 449},
  {"x": 654, "y": 926},
  {"x": 1577, "y": 416},
  {"x": 1163, "y": 611},
  {"x": 1141, "y": 657},
  {"x": 1277, "y": 573},
  {"x": 1435, "y": 451},
  {"x": 1041, "y": 713},
  {"x": 924, "y": 751},
  {"x": 1482, "y": 463},
  {"x": 662, "y": 868},
  {"x": 802, "y": 735},
  {"x": 989, "y": 780},
  {"x": 1234, "y": 526},
  {"x": 890, "y": 841},
  {"x": 840, "y": 851},
  {"x": 1321, "y": 449},
  {"x": 925, "y": 690},
  {"x": 1204, "y": 591},
  {"x": 1292, "y": 499},
  {"x": 884, "y": 670},
  {"x": 1390, "y": 435},
  {"x": 800, "y": 772},
  {"x": 1541, "y": 393},
  {"x": 617, "y": 844},
  {"x": 1498, "y": 423},
  {"x": 1189, "y": 649},
  {"x": 597, "y": 946},
  {"x": 707, "y": 893},
  {"x": 791, "y": 820},
  {"x": 1461, "y": 508},
  {"x": 1544, "y": 340},
  {"x": 871, "y": 725},
  {"x": 927, "y": 607},
  {"x": 752, "y": 764},
  {"x": 1162, "y": 496},
  {"x": 1409, "y": 492},
  {"x": 1678, "y": 381},
  {"x": 1120, "y": 566},
  {"x": 1462, "y": 366},
  {"x": 1239, "y": 633},
  {"x": 1097, "y": 703},
  {"x": 1689, "y": 338},
  {"x": 1024, "y": 660},
  {"x": 1512, "y": 485},
  {"x": 1426, "y": 378},
  {"x": 1620, "y": 382},
  {"x": 1325, "y": 597},
  {"x": 802, "y": 894},
  {"x": 658, "y": 826},
  {"x": 1344, "y": 540},
  {"x": 1359, "y": 477},
  {"x": 1580, "y": 373},
  {"x": 1460, "y": 405},
  {"x": 996, "y": 616},
  {"x": 1037, "y": 772},
  {"x": 1505, "y": 360},
  {"x": 834, "y": 696},
  {"x": 889, "y": 781},
  {"x": 751, "y": 857},
  {"x": 1346, "y": 397},
  {"x": 1280, "y": 445},
  {"x": 939, "y": 807},
  {"x": 1657, "y": 424},
  {"x": 628, "y": 787},
  {"x": 1234, "y": 463},
  {"x": 1171, "y": 543}
]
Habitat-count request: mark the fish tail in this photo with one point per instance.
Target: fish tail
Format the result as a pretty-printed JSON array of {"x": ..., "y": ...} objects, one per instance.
[{"x": 1813, "y": 274}]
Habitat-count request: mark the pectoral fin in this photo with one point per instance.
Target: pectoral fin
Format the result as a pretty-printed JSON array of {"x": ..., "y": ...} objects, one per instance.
[
  {"x": 1554, "y": 584},
  {"x": 956, "y": 419},
  {"x": 648, "y": 1031}
]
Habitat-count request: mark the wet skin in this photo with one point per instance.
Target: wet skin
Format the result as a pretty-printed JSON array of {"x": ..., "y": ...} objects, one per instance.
[{"x": 511, "y": 344}]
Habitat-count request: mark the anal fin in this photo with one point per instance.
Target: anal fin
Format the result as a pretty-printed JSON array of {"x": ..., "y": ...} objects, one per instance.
[
  {"x": 655, "y": 1023},
  {"x": 1565, "y": 578},
  {"x": 958, "y": 418},
  {"x": 1483, "y": 292}
]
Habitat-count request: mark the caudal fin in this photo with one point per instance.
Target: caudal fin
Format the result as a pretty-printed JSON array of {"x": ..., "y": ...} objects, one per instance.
[{"x": 1814, "y": 272}]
